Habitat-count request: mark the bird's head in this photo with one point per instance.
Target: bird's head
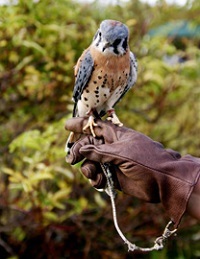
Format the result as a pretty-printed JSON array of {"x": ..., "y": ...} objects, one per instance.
[{"x": 111, "y": 38}]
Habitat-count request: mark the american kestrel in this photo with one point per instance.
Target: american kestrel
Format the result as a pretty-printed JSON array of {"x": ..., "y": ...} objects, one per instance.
[{"x": 106, "y": 70}]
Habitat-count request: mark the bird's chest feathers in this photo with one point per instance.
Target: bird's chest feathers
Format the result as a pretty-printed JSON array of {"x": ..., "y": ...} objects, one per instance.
[
  {"x": 107, "y": 82},
  {"x": 114, "y": 69}
]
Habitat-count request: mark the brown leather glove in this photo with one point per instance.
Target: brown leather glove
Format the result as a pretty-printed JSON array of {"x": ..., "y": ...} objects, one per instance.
[{"x": 143, "y": 168}]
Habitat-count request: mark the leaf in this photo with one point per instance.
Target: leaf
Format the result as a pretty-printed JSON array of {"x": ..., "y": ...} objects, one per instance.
[
  {"x": 34, "y": 45},
  {"x": 98, "y": 199},
  {"x": 61, "y": 194},
  {"x": 41, "y": 176},
  {"x": 25, "y": 61},
  {"x": 50, "y": 216},
  {"x": 28, "y": 140}
]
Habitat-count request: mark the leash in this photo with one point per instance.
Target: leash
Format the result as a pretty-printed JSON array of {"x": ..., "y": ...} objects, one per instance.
[{"x": 158, "y": 243}]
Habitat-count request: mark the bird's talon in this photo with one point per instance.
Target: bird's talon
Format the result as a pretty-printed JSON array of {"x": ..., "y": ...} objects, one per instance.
[
  {"x": 90, "y": 124},
  {"x": 92, "y": 131},
  {"x": 115, "y": 120}
]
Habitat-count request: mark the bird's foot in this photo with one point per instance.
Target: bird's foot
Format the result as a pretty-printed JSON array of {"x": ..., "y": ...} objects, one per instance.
[
  {"x": 90, "y": 124},
  {"x": 113, "y": 118}
]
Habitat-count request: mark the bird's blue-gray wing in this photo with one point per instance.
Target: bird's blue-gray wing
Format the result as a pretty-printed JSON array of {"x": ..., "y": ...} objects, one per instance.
[
  {"x": 132, "y": 76},
  {"x": 83, "y": 76}
]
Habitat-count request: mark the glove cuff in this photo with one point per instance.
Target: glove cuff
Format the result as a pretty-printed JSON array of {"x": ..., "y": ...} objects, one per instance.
[{"x": 175, "y": 192}]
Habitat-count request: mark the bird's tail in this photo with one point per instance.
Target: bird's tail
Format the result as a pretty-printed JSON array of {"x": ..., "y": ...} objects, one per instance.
[{"x": 73, "y": 137}]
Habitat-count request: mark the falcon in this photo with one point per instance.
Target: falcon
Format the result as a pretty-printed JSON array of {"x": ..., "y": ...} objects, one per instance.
[{"x": 105, "y": 71}]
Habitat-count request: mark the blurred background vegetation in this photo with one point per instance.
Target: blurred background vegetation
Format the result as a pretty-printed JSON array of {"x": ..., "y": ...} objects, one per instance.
[{"x": 47, "y": 208}]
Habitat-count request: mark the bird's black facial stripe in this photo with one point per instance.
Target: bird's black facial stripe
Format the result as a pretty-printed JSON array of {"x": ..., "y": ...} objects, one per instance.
[
  {"x": 125, "y": 44},
  {"x": 115, "y": 50},
  {"x": 98, "y": 33},
  {"x": 120, "y": 42},
  {"x": 116, "y": 43},
  {"x": 115, "y": 46}
]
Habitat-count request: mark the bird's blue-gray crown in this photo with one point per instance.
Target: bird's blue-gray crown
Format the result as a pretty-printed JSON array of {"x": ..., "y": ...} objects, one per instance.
[{"x": 113, "y": 30}]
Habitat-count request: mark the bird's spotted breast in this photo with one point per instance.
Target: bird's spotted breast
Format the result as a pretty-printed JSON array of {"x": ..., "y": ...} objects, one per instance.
[{"x": 108, "y": 79}]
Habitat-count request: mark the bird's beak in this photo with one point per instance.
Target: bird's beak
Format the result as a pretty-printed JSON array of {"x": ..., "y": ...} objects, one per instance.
[{"x": 106, "y": 45}]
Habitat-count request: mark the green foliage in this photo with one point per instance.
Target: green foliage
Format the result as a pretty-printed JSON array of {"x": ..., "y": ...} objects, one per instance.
[{"x": 47, "y": 208}]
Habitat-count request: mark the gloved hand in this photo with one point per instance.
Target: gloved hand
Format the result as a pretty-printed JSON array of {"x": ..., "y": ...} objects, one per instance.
[{"x": 142, "y": 167}]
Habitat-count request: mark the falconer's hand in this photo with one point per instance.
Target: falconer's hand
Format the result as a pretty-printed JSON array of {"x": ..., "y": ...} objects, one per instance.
[{"x": 140, "y": 166}]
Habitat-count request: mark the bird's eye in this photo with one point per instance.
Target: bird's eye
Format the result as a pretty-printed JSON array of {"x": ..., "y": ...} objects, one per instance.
[
  {"x": 99, "y": 34},
  {"x": 116, "y": 43}
]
